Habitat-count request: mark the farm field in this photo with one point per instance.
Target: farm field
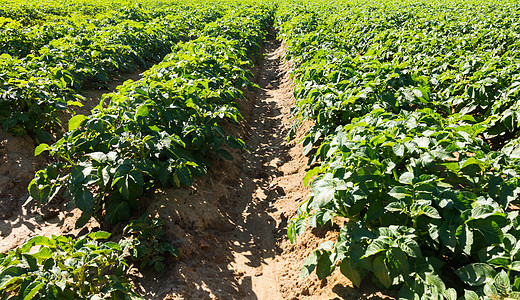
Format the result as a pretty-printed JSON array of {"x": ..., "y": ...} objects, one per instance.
[{"x": 259, "y": 150}]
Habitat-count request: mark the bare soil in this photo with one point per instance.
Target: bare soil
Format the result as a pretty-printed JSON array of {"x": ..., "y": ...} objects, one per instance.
[{"x": 230, "y": 227}]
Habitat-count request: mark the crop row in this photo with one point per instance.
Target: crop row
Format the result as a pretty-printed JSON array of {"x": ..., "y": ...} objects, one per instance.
[
  {"x": 413, "y": 107},
  {"x": 161, "y": 130},
  {"x": 86, "y": 267},
  {"x": 35, "y": 88},
  {"x": 30, "y": 13},
  {"x": 19, "y": 40}
]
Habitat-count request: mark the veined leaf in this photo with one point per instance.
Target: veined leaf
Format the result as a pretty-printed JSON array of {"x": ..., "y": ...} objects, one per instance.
[
  {"x": 476, "y": 274},
  {"x": 75, "y": 121}
]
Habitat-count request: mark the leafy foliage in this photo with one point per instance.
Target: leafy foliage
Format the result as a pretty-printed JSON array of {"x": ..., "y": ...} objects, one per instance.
[
  {"x": 412, "y": 111},
  {"x": 38, "y": 86},
  {"x": 149, "y": 250},
  {"x": 160, "y": 130},
  {"x": 66, "y": 268},
  {"x": 84, "y": 268}
]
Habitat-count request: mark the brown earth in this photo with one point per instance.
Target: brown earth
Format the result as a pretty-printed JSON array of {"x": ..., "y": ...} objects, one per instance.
[{"x": 230, "y": 227}]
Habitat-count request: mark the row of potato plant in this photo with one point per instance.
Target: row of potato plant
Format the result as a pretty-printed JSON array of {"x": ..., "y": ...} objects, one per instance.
[
  {"x": 163, "y": 129},
  {"x": 19, "y": 40},
  {"x": 37, "y": 87},
  {"x": 30, "y": 12},
  {"x": 86, "y": 267},
  {"x": 413, "y": 107}
]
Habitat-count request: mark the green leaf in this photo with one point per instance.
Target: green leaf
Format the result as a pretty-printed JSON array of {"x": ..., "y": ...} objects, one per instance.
[
  {"x": 307, "y": 145},
  {"x": 99, "y": 235},
  {"x": 434, "y": 280},
  {"x": 43, "y": 135},
  {"x": 117, "y": 210},
  {"x": 142, "y": 111},
  {"x": 470, "y": 295},
  {"x": 83, "y": 219},
  {"x": 406, "y": 178},
  {"x": 34, "y": 191},
  {"x": 397, "y": 259},
  {"x": 375, "y": 247},
  {"x": 491, "y": 231},
  {"x": 470, "y": 161},
  {"x": 464, "y": 238},
  {"x": 515, "y": 266},
  {"x": 450, "y": 294},
  {"x": 296, "y": 228},
  {"x": 399, "y": 192},
  {"x": 35, "y": 241},
  {"x": 447, "y": 234},
  {"x": 388, "y": 166},
  {"x": 443, "y": 155},
  {"x": 431, "y": 212},
  {"x": 422, "y": 142},
  {"x": 105, "y": 175},
  {"x": 235, "y": 143},
  {"x": 98, "y": 156},
  {"x": 381, "y": 271},
  {"x": 32, "y": 290},
  {"x": 41, "y": 147},
  {"x": 309, "y": 264},
  {"x": 347, "y": 268},
  {"x": 323, "y": 190},
  {"x": 395, "y": 206},
  {"x": 75, "y": 121},
  {"x": 324, "y": 266},
  {"x": 131, "y": 187},
  {"x": 502, "y": 283},
  {"x": 310, "y": 174},
  {"x": 8, "y": 275},
  {"x": 476, "y": 274},
  {"x": 398, "y": 149},
  {"x": 84, "y": 200},
  {"x": 411, "y": 248},
  {"x": 137, "y": 177},
  {"x": 43, "y": 253},
  {"x": 29, "y": 261}
]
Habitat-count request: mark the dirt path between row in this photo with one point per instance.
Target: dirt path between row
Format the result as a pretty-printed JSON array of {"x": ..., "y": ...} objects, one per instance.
[
  {"x": 231, "y": 226},
  {"x": 270, "y": 165}
]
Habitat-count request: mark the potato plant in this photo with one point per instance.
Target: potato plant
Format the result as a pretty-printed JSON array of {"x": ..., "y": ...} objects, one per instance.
[
  {"x": 161, "y": 130},
  {"x": 85, "y": 267},
  {"x": 37, "y": 87},
  {"x": 414, "y": 105}
]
